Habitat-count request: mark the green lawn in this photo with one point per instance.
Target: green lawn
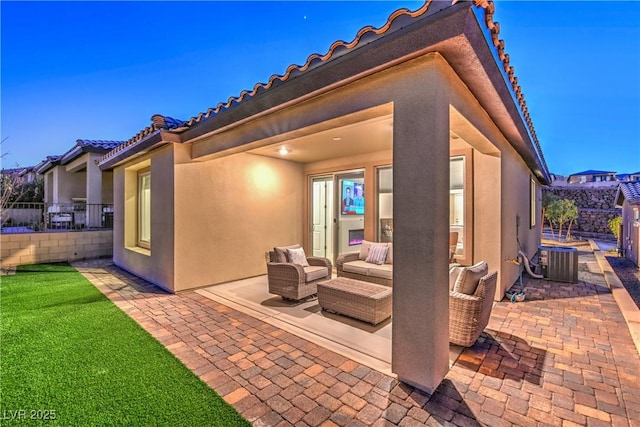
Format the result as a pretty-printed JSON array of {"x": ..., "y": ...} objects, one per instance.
[{"x": 66, "y": 351}]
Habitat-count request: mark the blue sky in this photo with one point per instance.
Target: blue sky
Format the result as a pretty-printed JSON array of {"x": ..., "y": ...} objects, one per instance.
[{"x": 100, "y": 70}]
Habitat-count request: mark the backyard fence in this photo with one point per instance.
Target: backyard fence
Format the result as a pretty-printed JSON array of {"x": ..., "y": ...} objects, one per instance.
[{"x": 43, "y": 217}]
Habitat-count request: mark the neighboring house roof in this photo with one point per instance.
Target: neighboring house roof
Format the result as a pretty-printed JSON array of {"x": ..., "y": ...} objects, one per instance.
[
  {"x": 629, "y": 191},
  {"x": 82, "y": 146},
  {"x": 19, "y": 171},
  {"x": 88, "y": 146},
  {"x": 47, "y": 164},
  {"x": 591, "y": 172},
  {"x": 399, "y": 21}
]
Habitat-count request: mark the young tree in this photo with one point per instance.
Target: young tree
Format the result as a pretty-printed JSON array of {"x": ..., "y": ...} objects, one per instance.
[
  {"x": 547, "y": 199},
  {"x": 14, "y": 189},
  {"x": 569, "y": 212},
  {"x": 561, "y": 211}
]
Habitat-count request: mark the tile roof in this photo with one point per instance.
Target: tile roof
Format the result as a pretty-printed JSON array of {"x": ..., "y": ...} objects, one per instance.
[
  {"x": 631, "y": 192},
  {"x": 158, "y": 122},
  {"x": 11, "y": 171},
  {"x": 98, "y": 143},
  {"x": 47, "y": 164},
  {"x": 592, "y": 172},
  {"x": 397, "y": 20},
  {"x": 89, "y": 146}
]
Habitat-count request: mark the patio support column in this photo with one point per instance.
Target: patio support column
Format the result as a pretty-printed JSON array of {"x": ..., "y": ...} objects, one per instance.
[
  {"x": 420, "y": 342},
  {"x": 94, "y": 193}
]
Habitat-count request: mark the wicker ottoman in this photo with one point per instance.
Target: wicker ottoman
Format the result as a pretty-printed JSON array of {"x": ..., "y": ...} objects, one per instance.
[{"x": 361, "y": 300}]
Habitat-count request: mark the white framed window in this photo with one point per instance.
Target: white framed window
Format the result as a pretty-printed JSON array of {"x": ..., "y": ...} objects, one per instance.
[
  {"x": 459, "y": 205},
  {"x": 533, "y": 207},
  {"x": 144, "y": 208}
]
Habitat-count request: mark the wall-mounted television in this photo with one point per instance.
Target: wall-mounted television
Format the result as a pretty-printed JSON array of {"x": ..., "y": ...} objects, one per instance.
[{"x": 352, "y": 197}]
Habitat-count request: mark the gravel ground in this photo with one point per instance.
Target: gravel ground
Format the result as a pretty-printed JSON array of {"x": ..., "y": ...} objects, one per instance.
[{"x": 629, "y": 275}]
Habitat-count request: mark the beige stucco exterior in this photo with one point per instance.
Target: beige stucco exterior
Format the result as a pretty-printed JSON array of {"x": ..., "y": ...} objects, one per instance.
[
  {"x": 222, "y": 195},
  {"x": 211, "y": 221},
  {"x": 229, "y": 211},
  {"x": 217, "y": 206},
  {"x": 79, "y": 179}
]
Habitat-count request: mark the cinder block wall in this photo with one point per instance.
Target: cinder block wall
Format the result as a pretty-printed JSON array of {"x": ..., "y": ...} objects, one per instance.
[{"x": 34, "y": 248}]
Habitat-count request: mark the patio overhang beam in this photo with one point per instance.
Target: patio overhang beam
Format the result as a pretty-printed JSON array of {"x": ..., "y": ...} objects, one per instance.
[
  {"x": 79, "y": 150},
  {"x": 47, "y": 166},
  {"x": 150, "y": 142}
]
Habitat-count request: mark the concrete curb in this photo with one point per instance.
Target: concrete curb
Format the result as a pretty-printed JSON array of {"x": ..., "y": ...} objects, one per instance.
[{"x": 627, "y": 306}]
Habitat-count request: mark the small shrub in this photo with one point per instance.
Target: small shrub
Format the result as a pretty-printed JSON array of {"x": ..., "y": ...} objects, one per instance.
[{"x": 614, "y": 226}]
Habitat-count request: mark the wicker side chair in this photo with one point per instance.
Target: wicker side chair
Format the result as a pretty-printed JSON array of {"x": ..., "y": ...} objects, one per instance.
[
  {"x": 294, "y": 282},
  {"x": 469, "y": 314}
]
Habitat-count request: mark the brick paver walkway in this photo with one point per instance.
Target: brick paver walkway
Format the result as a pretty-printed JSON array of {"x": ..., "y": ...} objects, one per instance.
[{"x": 562, "y": 358}]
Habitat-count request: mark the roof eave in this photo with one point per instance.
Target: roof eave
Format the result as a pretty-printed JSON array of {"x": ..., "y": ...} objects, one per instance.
[
  {"x": 402, "y": 44},
  {"x": 150, "y": 142},
  {"x": 47, "y": 166}
]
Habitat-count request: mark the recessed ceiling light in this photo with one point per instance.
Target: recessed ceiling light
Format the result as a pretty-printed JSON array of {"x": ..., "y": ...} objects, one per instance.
[
  {"x": 283, "y": 151},
  {"x": 336, "y": 138}
]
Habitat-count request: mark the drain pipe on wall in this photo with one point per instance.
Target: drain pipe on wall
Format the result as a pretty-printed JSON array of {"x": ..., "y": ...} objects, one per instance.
[
  {"x": 528, "y": 267},
  {"x": 523, "y": 256}
]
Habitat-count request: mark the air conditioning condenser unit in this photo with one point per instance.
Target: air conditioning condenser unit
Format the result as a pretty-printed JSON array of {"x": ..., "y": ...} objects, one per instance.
[{"x": 559, "y": 264}]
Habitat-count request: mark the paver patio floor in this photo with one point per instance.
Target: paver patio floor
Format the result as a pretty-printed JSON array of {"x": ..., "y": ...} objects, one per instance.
[{"x": 563, "y": 357}]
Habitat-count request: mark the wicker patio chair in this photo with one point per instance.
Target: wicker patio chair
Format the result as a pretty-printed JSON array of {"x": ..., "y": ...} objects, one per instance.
[
  {"x": 293, "y": 281},
  {"x": 469, "y": 314}
]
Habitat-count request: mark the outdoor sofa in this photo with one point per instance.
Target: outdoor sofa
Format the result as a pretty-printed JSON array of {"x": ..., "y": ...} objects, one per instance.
[{"x": 368, "y": 266}]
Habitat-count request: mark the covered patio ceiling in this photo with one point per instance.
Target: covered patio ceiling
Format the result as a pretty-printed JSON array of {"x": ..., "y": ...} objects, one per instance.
[
  {"x": 353, "y": 139},
  {"x": 367, "y": 136}
]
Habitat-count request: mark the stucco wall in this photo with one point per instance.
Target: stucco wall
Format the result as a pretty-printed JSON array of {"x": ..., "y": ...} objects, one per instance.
[
  {"x": 157, "y": 264},
  {"x": 501, "y": 189},
  {"x": 229, "y": 211},
  {"x": 631, "y": 233},
  {"x": 69, "y": 185},
  {"x": 107, "y": 187},
  {"x": 33, "y": 248}
]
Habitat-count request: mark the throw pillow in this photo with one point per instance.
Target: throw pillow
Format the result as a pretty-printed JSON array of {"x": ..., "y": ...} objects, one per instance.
[
  {"x": 390, "y": 254},
  {"x": 454, "y": 272},
  {"x": 469, "y": 277},
  {"x": 366, "y": 246},
  {"x": 297, "y": 256},
  {"x": 281, "y": 252},
  {"x": 377, "y": 254}
]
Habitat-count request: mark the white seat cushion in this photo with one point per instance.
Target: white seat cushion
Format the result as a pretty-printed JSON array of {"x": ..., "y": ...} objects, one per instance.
[
  {"x": 384, "y": 271},
  {"x": 315, "y": 272},
  {"x": 358, "y": 266}
]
